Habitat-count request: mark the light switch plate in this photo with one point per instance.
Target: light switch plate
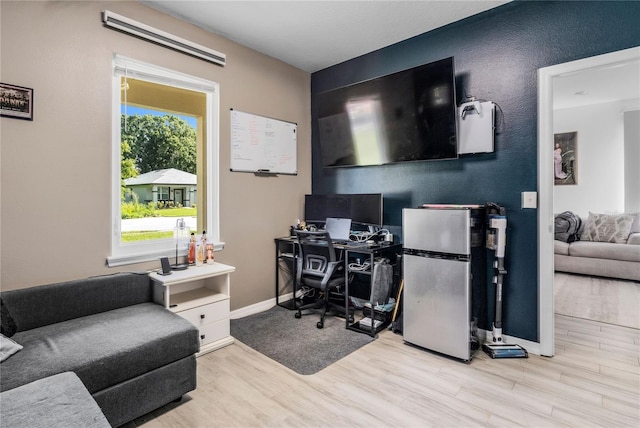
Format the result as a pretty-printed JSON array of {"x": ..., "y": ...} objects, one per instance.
[{"x": 529, "y": 199}]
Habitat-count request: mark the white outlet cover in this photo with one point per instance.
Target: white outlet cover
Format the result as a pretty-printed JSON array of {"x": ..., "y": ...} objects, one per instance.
[{"x": 529, "y": 199}]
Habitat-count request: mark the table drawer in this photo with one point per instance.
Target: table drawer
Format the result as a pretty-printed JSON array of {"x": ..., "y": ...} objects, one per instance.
[
  {"x": 207, "y": 314},
  {"x": 215, "y": 331}
]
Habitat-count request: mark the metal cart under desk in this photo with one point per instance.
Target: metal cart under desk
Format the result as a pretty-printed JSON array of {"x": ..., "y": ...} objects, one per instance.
[{"x": 362, "y": 281}]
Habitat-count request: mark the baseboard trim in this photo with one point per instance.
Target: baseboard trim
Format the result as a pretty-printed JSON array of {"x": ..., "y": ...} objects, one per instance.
[{"x": 258, "y": 307}]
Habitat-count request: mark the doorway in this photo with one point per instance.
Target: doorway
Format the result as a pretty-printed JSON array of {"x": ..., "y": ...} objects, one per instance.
[
  {"x": 546, "y": 181},
  {"x": 178, "y": 196}
]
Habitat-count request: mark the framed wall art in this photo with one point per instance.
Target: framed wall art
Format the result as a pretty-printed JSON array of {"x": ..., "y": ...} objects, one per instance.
[
  {"x": 565, "y": 161},
  {"x": 16, "y": 101}
]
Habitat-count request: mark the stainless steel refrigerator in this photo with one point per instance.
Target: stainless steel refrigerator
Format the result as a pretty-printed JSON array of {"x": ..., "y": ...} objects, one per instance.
[{"x": 444, "y": 277}]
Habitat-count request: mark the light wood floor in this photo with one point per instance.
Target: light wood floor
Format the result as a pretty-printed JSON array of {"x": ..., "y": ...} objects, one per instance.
[{"x": 593, "y": 381}]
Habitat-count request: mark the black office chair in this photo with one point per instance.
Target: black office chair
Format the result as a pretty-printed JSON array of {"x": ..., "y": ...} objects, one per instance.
[{"x": 319, "y": 268}]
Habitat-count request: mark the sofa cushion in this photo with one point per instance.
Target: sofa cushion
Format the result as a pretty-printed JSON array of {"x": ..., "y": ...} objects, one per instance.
[
  {"x": 601, "y": 250},
  {"x": 74, "y": 299},
  {"x": 102, "y": 349},
  {"x": 608, "y": 228},
  {"x": 55, "y": 401},
  {"x": 560, "y": 247}
]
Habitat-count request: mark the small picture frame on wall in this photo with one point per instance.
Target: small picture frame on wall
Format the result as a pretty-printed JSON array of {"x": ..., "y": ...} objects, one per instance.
[
  {"x": 565, "y": 160},
  {"x": 16, "y": 101}
]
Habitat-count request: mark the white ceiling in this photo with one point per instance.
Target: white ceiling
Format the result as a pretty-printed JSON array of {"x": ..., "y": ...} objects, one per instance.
[
  {"x": 617, "y": 82},
  {"x": 312, "y": 35}
]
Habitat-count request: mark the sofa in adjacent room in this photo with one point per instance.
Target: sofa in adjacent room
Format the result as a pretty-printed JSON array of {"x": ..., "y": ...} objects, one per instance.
[
  {"x": 606, "y": 245},
  {"x": 131, "y": 354}
]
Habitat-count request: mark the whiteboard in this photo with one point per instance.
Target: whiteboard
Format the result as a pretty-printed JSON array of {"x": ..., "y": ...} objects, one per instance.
[{"x": 262, "y": 145}]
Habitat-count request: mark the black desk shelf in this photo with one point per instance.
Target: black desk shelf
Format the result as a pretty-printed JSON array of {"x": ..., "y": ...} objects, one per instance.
[{"x": 286, "y": 264}]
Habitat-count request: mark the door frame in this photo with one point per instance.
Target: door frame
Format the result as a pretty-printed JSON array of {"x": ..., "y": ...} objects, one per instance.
[
  {"x": 181, "y": 192},
  {"x": 545, "y": 182}
]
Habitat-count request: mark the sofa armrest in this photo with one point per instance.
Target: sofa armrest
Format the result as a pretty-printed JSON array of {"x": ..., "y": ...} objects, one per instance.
[
  {"x": 634, "y": 239},
  {"x": 42, "y": 305},
  {"x": 560, "y": 247}
]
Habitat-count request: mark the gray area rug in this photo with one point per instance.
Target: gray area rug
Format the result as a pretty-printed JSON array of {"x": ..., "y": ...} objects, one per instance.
[
  {"x": 600, "y": 299},
  {"x": 297, "y": 343}
]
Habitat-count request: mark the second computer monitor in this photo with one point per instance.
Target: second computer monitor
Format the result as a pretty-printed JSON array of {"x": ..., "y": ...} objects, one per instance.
[{"x": 363, "y": 209}]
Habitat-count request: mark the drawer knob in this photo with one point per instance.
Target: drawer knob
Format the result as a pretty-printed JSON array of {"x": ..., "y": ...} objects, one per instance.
[{"x": 202, "y": 316}]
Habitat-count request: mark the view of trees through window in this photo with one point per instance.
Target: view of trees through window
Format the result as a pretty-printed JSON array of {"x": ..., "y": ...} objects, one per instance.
[{"x": 159, "y": 165}]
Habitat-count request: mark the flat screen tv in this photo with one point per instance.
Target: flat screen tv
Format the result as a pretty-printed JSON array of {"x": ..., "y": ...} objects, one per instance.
[
  {"x": 363, "y": 209},
  {"x": 405, "y": 116}
]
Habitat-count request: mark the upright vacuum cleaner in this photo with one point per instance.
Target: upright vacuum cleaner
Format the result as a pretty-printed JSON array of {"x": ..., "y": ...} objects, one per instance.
[{"x": 496, "y": 241}]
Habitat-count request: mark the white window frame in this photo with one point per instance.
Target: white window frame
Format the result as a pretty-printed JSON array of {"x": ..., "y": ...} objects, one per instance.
[
  {"x": 144, "y": 251},
  {"x": 164, "y": 195}
]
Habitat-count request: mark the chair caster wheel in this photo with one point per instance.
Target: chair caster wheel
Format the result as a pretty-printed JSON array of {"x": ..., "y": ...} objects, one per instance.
[
  {"x": 351, "y": 320},
  {"x": 320, "y": 324},
  {"x": 298, "y": 315}
]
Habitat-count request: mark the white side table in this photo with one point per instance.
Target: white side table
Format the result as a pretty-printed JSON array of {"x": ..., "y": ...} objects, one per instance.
[{"x": 201, "y": 295}]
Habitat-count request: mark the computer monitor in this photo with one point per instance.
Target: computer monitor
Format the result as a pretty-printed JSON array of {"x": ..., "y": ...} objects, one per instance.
[
  {"x": 363, "y": 209},
  {"x": 317, "y": 208},
  {"x": 366, "y": 209}
]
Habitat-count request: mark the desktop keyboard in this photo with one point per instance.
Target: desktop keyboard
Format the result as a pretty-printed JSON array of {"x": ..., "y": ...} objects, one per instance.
[
  {"x": 351, "y": 244},
  {"x": 356, "y": 244}
]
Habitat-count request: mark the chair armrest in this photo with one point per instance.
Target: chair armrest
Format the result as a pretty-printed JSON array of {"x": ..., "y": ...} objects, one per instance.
[{"x": 332, "y": 268}]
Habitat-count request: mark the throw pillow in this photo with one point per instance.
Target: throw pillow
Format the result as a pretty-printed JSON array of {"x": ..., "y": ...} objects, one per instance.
[
  {"x": 8, "y": 347},
  {"x": 608, "y": 228},
  {"x": 7, "y": 324}
]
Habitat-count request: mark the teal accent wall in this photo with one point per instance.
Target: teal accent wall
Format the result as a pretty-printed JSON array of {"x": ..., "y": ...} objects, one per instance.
[{"x": 497, "y": 55}]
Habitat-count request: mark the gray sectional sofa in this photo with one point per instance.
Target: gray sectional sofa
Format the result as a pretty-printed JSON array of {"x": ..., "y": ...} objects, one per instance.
[
  {"x": 131, "y": 354},
  {"x": 56, "y": 401},
  {"x": 620, "y": 260}
]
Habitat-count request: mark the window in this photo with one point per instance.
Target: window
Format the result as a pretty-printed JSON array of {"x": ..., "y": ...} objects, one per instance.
[
  {"x": 165, "y": 160},
  {"x": 163, "y": 193}
]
